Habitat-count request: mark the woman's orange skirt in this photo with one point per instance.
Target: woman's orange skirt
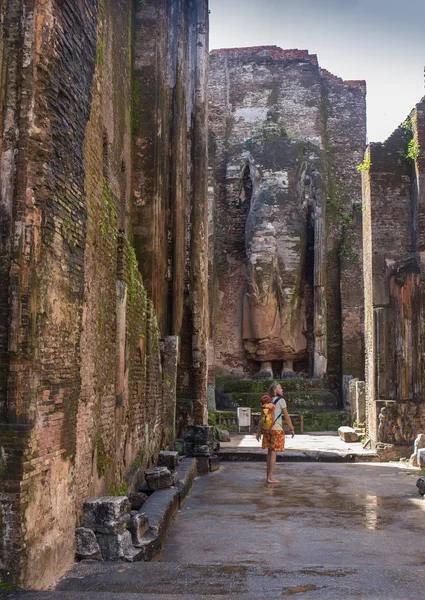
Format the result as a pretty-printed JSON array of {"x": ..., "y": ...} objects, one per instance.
[{"x": 274, "y": 440}]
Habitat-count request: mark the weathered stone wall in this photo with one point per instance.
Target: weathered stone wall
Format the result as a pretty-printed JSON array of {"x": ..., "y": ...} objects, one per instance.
[
  {"x": 279, "y": 107},
  {"x": 170, "y": 181},
  {"x": 85, "y": 404},
  {"x": 392, "y": 196}
]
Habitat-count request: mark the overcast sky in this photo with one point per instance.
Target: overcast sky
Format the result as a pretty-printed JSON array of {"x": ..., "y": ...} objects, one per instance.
[{"x": 381, "y": 41}]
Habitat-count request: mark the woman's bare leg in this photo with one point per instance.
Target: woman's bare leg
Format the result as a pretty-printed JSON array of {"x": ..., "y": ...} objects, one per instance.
[{"x": 271, "y": 461}]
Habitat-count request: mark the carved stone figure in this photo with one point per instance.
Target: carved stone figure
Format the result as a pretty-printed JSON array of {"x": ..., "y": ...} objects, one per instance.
[{"x": 280, "y": 262}]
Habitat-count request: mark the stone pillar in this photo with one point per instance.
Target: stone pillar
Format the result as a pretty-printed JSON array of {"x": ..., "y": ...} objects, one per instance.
[
  {"x": 320, "y": 338},
  {"x": 169, "y": 375},
  {"x": 199, "y": 246},
  {"x": 360, "y": 401},
  {"x": 346, "y": 392},
  {"x": 352, "y": 397}
]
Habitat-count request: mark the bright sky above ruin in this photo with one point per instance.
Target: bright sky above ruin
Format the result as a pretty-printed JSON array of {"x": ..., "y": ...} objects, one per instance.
[{"x": 382, "y": 41}]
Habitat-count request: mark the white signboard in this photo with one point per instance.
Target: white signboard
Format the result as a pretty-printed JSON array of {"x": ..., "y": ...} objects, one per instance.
[{"x": 244, "y": 417}]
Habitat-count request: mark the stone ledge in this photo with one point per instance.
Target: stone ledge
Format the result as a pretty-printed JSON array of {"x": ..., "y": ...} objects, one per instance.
[{"x": 298, "y": 456}]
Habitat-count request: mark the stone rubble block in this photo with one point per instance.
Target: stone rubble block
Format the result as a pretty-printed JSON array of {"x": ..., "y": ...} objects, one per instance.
[
  {"x": 420, "y": 484},
  {"x": 216, "y": 446},
  {"x": 214, "y": 463},
  {"x": 159, "y": 478},
  {"x": 189, "y": 448},
  {"x": 107, "y": 514},
  {"x": 138, "y": 527},
  {"x": 418, "y": 445},
  {"x": 199, "y": 435},
  {"x": 137, "y": 499},
  {"x": 347, "y": 434},
  {"x": 169, "y": 459},
  {"x": 204, "y": 435},
  {"x": 223, "y": 435},
  {"x": 203, "y": 450},
  {"x": 87, "y": 546},
  {"x": 115, "y": 546},
  {"x": 421, "y": 458},
  {"x": 202, "y": 465}
]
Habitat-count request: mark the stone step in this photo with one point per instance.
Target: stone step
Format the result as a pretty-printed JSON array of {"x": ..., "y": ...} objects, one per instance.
[
  {"x": 259, "y": 455},
  {"x": 173, "y": 581},
  {"x": 319, "y": 400},
  {"x": 260, "y": 386}
]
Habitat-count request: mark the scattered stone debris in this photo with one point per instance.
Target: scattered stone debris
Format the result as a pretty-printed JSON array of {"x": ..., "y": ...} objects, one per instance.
[
  {"x": 347, "y": 434},
  {"x": 138, "y": 527},
  {"x": 418, "y": 446},
  {"x": 214, "y": 463},
  {"x": 107, "y": 514},
  {"x": 133, "y": 528},
  {"x": 168, "y": 459},
  {"x": 159, "y": 478},
  {"x": 137, "y": 499},
  {"x": 87, "y": 546},
  {"x": 200, "y": 443},
  {"x": 420, "y": 484},
  {"x": 223, "y": 435}
]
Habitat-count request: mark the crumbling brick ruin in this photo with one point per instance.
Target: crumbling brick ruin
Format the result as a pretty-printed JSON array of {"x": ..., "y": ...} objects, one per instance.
[
  {"x": 103, "y": 167},
  {"x": 122, "y": 248},
  {"x": 394, "y": 242},
  {"x": 285, "y": 216}
]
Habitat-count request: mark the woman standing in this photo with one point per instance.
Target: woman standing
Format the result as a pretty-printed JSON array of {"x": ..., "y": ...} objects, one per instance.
[{"x": 274, "y": 438}]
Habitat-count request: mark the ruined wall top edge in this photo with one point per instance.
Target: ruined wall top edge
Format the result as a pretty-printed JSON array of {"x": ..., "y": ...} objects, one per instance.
[{"x": 277, "y": 53}]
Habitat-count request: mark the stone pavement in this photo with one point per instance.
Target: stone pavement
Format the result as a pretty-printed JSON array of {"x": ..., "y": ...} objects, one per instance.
[
  {"x": 337, "y": 531},
  {"x": 321, "y": 446}
]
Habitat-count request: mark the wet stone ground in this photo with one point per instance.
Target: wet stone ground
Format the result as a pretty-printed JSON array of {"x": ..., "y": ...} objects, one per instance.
[{"x": 326, "y": 531}]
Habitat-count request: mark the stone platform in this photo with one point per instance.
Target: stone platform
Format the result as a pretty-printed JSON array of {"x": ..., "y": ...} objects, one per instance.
[{"x": 319, "y": 446}]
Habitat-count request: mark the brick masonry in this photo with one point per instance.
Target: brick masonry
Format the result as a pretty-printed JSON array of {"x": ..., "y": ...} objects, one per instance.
[
  {"x": 85, "y": 406},
  {"x": 393, "y": 196}
]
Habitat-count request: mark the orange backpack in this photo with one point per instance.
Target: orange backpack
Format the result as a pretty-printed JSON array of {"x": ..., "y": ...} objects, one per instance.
[{"x": 267, "y": 412}]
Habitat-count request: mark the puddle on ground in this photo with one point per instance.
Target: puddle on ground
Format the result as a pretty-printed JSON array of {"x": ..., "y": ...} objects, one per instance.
[
  {"x": 298, "y": 589},
  {"x": 327, "y": 573}
]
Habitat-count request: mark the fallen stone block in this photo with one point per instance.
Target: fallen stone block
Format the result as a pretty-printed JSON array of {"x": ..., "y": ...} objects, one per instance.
[
  {"x": 189, "y": 448},
  {"x": 87, "y": 546},
  {"x": 145, "y": 489},
  {"x": 223, "y": 435},
  {"x": 216, "y": 446},
  {"x": 138, "y": 527},
  {"x": 186, "y": 473},
  {"x": 214, "y": 463},
  {"x": 203, "y": 465},
  {"x": 420, "y": 484},
  {"x": 203, "y": 435},
  {"x": 107, "y": 514},
  {"x": 201, "y": 450},
  {"x": 168, "y": 459},
  {"x": 115, "y": 546},
  {"x": 199, "y": 434},
  {"x": 137, "y": 499},
  {"x": 159, "y": 478},
  {"x": 421, "y": 457},
  {"x": 135, "y": 555},
  {"x": 347, "y": 434}
]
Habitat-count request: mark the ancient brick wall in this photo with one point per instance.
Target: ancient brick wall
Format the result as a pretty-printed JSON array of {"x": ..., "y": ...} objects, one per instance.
[
  {"x": 259, "y": 96},
  {"x": 393, "y": 284},
  {"x": 170, "y": 181},
  {"x": 85, "y": 404}
]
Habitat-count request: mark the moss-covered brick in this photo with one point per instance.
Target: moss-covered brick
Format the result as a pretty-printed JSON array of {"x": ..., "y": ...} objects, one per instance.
[{"x": 260, "y": 386}]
